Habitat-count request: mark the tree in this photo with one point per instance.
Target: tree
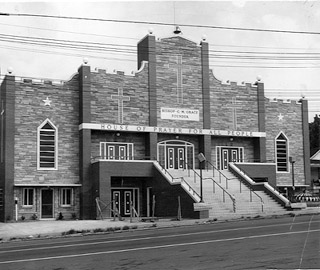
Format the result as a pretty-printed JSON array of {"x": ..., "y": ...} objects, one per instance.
[{"x": 314, "y": 135}]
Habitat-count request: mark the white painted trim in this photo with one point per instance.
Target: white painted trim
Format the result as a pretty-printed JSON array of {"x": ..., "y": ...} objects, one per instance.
[
  {"x": 47, "y": 185},
  {"x": 105, "y": 149},
  {"x": 276, "y": 156},
  {"x": 55, "y": 145},
  {"x": 254, "y": 163},
  {"x": 171, "y": 130}
]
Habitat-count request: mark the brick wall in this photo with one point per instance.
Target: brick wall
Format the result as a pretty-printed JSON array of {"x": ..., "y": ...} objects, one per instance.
[
  {"x": 104, "y": 109},
  {"x": 30, "y": 113},
  {"x": 221, "y": 105},
  {"x": 291, "y": 126},
  {"x": 168, "y": 51}
]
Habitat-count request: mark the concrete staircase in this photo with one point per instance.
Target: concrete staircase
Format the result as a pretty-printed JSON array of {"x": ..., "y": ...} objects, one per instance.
[{"x": 218, "y": 195}]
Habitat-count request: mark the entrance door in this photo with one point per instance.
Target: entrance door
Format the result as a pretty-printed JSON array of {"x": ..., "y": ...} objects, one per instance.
[
  {"x": 175, "y": 157},
  {"x": 46, "y": 203},
  {"x": 229, "y": 154},
  {"x": 122, "y": 200}
]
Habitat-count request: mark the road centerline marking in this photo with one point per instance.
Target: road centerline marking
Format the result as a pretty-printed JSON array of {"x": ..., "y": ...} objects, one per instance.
[{"x": 158, "y": 247}]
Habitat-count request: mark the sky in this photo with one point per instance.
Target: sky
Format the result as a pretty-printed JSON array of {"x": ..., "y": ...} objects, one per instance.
[{"x": 287, "y": 63}]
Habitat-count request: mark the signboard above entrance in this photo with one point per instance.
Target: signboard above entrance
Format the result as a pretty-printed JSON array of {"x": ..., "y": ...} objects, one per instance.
[
  {"x": 179, "y": 114},
  {"x": 172, "y": 130}
]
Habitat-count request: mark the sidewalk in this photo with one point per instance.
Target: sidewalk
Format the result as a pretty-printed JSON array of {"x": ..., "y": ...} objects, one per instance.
[{"x": 53, "y": 228}]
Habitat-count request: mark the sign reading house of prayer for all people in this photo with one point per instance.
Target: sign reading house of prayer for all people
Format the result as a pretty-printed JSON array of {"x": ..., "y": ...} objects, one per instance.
[{"x": 179, "y": 114}]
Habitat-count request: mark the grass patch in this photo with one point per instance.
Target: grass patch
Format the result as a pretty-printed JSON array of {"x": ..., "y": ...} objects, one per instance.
[{"x": 98, "y": 230}]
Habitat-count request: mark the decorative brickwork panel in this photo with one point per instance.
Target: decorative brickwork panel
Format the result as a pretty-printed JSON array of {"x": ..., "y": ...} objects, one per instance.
[
  {"x": 34, "y": 104},
  {"x": 120, "y": 99},
  {"x": 285, "y": 117},
  {"x": 233, "y": 107},
  {"x": 179, "y": 79}
]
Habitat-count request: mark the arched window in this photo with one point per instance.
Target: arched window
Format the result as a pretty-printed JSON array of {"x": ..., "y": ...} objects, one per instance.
[
  {"x": 282, "y": 153},
  {"x": 47, "y": 146}
]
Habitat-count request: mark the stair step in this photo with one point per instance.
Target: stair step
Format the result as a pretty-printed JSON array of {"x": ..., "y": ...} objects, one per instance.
[{"x": 244, "y": 205}]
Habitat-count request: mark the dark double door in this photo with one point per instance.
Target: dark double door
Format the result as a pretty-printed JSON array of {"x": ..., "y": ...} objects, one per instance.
[
  {"x": 230, "y": 154},
  {"x": 176, "y": 157},
  {"x": 122, "y": 199}
]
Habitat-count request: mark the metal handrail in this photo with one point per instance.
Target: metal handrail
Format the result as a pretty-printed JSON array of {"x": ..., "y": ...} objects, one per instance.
[
  {"x": 224, "y": 191},
  {"x": 251, "y": 189},
  {"x": 227, "y": 179},
  {"x": 166, "y": 171},
  {"x": 189, "y": 167},
  {"x": 181, "y": 179},
  {"x": 220, "y": 173}
]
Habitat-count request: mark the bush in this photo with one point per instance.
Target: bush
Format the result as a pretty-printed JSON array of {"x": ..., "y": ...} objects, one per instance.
[
  {"x": 98, "y": 230},
  {"x": 60, "y": 217}
]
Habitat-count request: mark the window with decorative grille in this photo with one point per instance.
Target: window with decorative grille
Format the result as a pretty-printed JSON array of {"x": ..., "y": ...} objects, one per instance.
[{"x": 282, "y": 153}]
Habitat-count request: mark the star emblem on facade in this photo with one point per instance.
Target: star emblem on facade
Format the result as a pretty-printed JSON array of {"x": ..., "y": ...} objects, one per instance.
[
  {"x": 47, "y": 102},
  {"x": 280, "y": 117}
]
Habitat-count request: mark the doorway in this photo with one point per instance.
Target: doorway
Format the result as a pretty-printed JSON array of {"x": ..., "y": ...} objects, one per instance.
[
  {"x": 46, "y": 203},
  {"x": 176, "y": 154},
  {"x": 225, "y": 155},
  {"x": 122, "y": 198}
]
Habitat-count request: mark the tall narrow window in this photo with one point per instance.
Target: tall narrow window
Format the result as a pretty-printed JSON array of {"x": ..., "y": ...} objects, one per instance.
[
  {"x": 282, "y": 153},
  {"x": 28, "y": 196},
  {"x": 47, "y": 146}
]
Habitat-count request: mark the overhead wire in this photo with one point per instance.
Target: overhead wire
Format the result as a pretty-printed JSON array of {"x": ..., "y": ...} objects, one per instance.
[
  {"x": 126, "y": 49},
  {"x": 160, "y": 23}
]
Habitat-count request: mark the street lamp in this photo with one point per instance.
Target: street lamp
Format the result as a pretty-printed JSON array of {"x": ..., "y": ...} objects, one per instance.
[
  {"x": 292, "y": 161},
  {"x": 201, "y": 158}
]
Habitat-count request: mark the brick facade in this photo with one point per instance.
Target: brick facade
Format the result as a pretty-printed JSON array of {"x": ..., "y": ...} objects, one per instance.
[{"x": 97, "y": 106}]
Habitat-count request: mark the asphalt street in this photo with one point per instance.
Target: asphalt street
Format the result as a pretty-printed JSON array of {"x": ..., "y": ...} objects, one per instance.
[{"x": 279, "y": 243}]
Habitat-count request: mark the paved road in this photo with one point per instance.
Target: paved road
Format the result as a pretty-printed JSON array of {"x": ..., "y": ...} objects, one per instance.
[{"x": 284, "y": 243}]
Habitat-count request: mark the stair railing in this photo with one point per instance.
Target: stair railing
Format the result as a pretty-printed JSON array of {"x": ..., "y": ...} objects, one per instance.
[
  {"x": 190, "y": 169},
  {"x": 224, "y": 191},
  {"x": 166, "y": 172},
  {"x": 220, "y": 174},
  {"x": 183, "y": 183},
  {"x": 242, "y": 178}
]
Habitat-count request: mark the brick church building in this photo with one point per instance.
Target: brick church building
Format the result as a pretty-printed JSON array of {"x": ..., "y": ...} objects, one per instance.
[{"x": 103, "y": 140}]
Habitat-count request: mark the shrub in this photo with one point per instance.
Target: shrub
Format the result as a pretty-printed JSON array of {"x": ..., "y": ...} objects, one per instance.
[
  {"x": 98, "y": 230},
  {"x": 60, "y": 217}
]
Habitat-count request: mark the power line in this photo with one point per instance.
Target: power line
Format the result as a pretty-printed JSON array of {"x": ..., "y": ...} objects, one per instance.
[
  {"x": 118, "y": 37},
  {"x": 126, "y": 49},
  {"x": 161, "y": 23},
  {"x": 64, "y": 31}
]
